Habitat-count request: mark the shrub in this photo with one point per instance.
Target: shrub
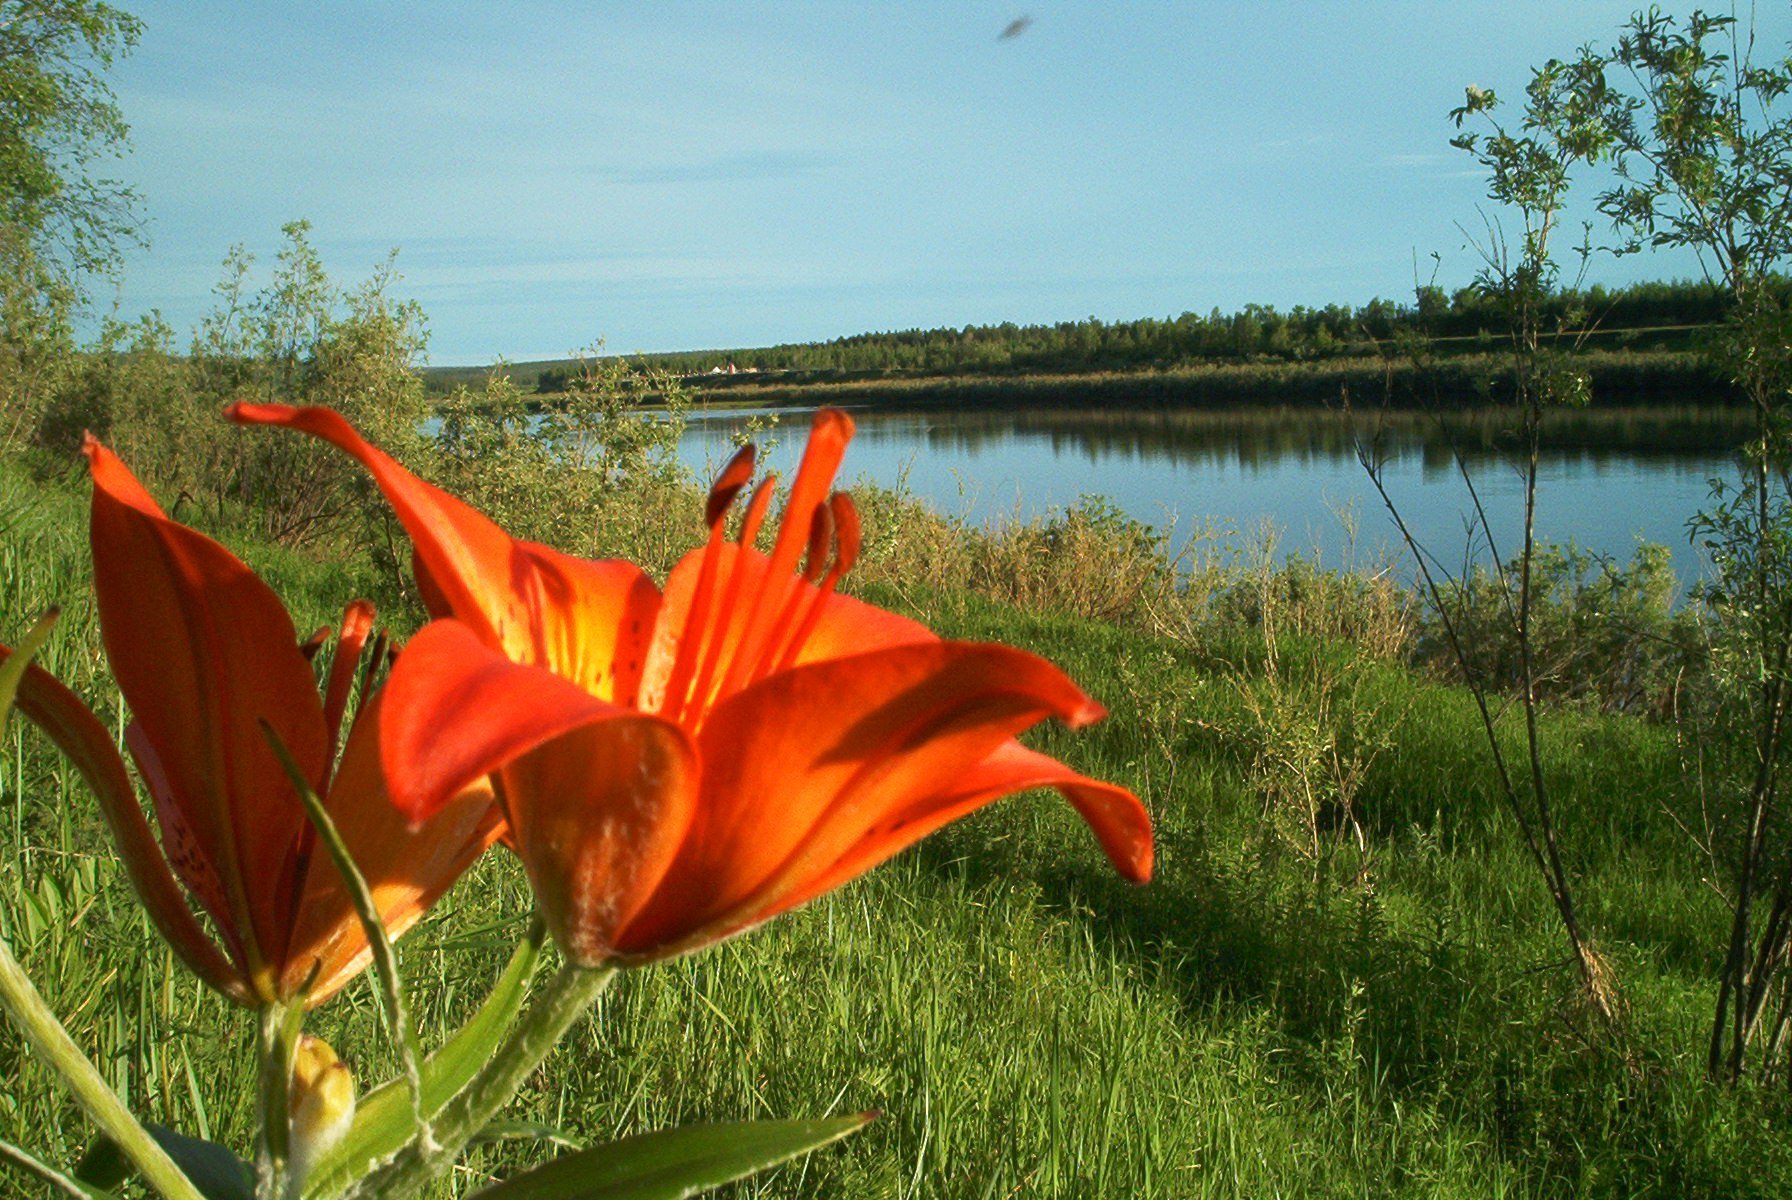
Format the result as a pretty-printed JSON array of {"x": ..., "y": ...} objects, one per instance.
[{"x": 1601, "y": 635}]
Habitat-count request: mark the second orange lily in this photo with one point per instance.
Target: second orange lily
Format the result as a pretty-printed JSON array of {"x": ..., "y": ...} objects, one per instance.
[{"x": 208, "y": 661}]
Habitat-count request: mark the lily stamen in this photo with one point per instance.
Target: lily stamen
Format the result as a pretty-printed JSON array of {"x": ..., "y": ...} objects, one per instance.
[
  {"x": 721, "y": 499},
  {"x": 712, "y": 636},
  {"x": 351, "y": 639},
  {"x": 848, "y": 539}
]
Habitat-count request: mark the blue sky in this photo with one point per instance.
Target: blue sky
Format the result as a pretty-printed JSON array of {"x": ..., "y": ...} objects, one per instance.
[{"x": 673, "y": 176}]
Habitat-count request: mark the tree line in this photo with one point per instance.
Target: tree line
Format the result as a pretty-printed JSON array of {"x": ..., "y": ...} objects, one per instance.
[{"x": 1641, "y": 316}]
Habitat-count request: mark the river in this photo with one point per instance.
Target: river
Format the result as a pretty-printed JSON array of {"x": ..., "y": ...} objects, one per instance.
[{"x": 1606, "y": 480}]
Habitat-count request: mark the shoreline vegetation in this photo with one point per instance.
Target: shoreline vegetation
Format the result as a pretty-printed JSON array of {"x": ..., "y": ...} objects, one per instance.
[
  {"x": 1632, "y": 378},
  {"x": 1647, "y": 344},
  {"x": 1637, "y": 378}
]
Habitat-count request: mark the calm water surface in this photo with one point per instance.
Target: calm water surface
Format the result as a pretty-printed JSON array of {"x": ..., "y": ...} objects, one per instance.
[{"x": 1609, "y": 480}]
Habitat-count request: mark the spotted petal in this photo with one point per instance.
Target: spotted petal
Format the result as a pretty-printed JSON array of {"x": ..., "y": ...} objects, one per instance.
[
  {"x": 87, "y": 744},
  {"x": 204, "y": 652}
]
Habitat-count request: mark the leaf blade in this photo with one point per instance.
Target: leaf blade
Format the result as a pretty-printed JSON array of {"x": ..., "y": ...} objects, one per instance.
[
  {"x": 214, "y": 1169},
  {"x": 671, "y": 1164},
  {"x": 383, "y": 1117}
]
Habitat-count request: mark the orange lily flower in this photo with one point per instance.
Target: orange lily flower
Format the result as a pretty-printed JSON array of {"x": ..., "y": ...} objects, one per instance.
[
  {"x": 205, "y": 655},
  {"x": 678, "y": 767}
]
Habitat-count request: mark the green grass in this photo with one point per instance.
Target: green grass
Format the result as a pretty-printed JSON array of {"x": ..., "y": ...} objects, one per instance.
[{"x": 1398, "y": 1024}]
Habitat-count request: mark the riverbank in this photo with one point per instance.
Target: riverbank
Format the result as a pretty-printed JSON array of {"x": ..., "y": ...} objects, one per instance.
[
  {"x": 1627, "y": 377},
  {"x": 1345, "y": 979}
]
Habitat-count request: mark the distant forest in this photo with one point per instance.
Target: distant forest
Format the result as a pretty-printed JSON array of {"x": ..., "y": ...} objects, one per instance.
[{"x": 1641, "y": 317}]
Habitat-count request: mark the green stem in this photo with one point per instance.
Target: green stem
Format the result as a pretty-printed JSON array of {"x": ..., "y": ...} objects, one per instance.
[
  {"x": 275, "y": 1043},
  {"x": 31, "y": 1165},
  {"x": 565, "y": 998},
  {"x": 52, "y": 1042}
]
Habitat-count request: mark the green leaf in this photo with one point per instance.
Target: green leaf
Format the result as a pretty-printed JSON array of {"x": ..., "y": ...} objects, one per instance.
[
  {"x": 385, "y": 960},
  {"x": 383, "y": 1121},
  {"x": 104, "y": 1165},
  {"x": 213, "y": 1169},
  {"x": 65, "y": 1185},
  {"x": 12, "y": 668},
  {"x": 673, "y": 1163}
]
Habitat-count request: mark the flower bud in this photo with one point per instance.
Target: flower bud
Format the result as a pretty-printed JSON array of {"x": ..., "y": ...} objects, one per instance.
[{"x": 321, "y": 1103}]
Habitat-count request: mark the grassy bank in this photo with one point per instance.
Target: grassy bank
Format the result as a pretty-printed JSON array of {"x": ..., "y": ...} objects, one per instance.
[
  {"x": 1631, "y": 376},
  {"x": 1287, "y": 1009}
]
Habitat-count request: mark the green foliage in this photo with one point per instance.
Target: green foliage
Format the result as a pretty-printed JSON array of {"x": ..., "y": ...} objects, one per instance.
[
  {"x": 618, "y": 420},
  {"x": 1600, "y": 634},
  {"x": 484, "y": 450},
  {"x": 1703, "y": 152},
  {"x": 601, "y": 449},
  {"x": 302, "y": 340},
  {"x": 1089, "y": 560},
  {"x": 1703, "y": 156},
  {"x": 1529, "y": 166},
  {"x": 383, "y": 1118},
  {"x": 1311, "y": 723},
  {"x": 298, "y": 339},
  {"x": 1265, "y": 593},
  {"x": 36, "y": 336},
  {"x": 58, "y": 121},
  {"x": 674, "y": 1163},
  {"x": 59, "y": 221}
]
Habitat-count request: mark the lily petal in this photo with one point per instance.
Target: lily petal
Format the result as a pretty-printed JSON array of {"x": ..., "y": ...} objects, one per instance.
[
  {"x": 203, "y": 651},
  {"x": 1115, "y": 815},
  {"x": 854, "y": 742},
  {"x": 467, "y": 556},
  {"x": 456, "y": 710},
  {"x": 406, "y": 870},
  {"x": 589, "y": 621},
  {"x": 87, "y": 744},
  {"x": 845, "y": 626},
  {"x": 597, "y": 816}
]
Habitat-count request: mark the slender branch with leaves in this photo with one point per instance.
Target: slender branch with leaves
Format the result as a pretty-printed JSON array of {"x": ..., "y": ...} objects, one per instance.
[{"x": 1529, "y": 170}]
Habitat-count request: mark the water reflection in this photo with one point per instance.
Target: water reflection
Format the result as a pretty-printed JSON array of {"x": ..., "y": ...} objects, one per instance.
[
  {"x": 1608, "y": 476},
  {"x": 1276, "y": 435}
]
